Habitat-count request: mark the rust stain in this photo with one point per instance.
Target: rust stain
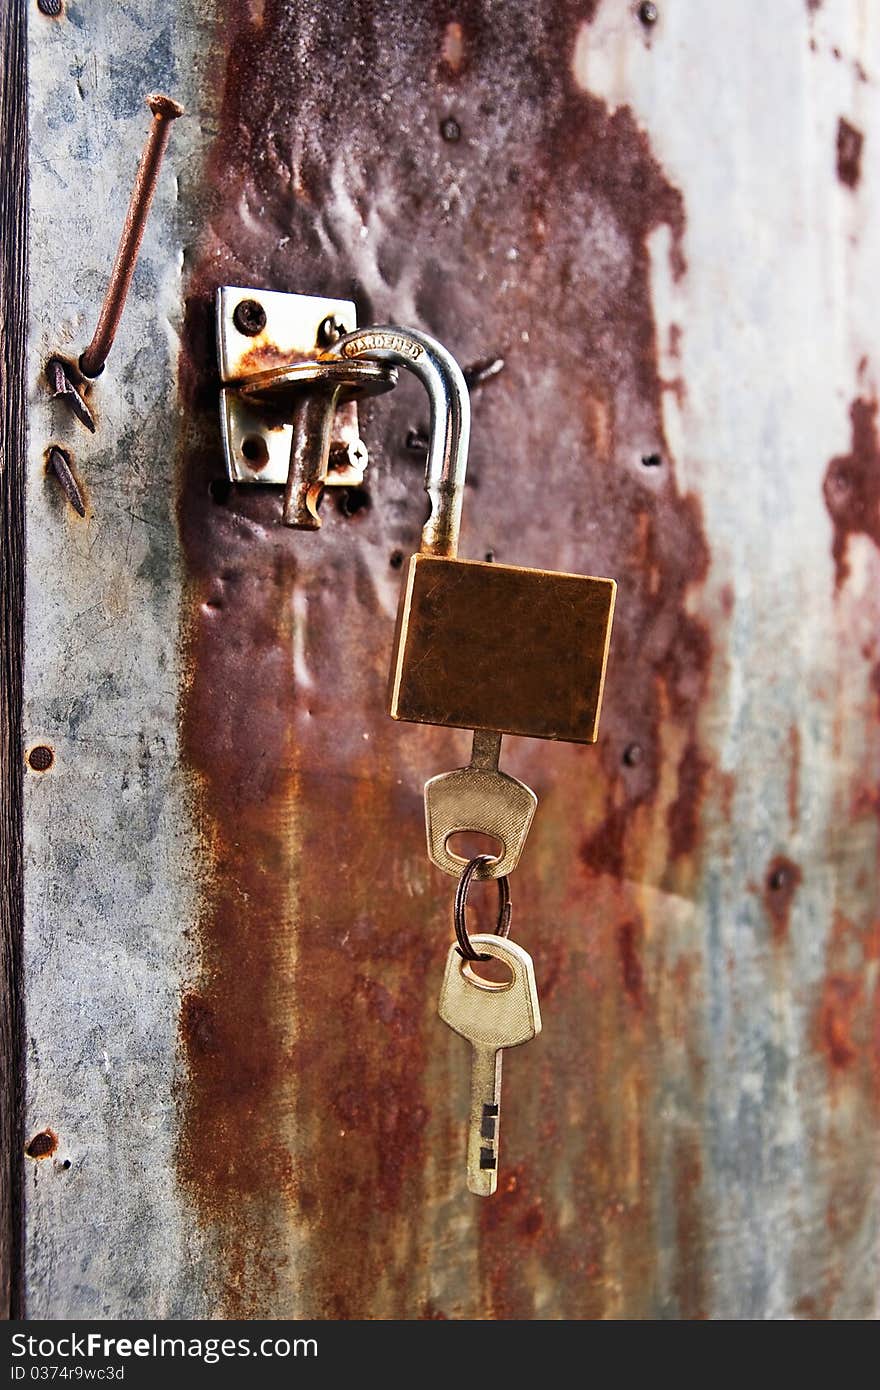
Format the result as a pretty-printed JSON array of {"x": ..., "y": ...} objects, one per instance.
[
  {"x": 682, "y": 817},
  {"x": 781, "y": 882},
  {"x": 42, "y": 1145},
  {"x": 263, "y": 355},
  {"x": 628, "y": 934},
  {"x": 847, "y": 1020},
  {"x": 852, "y": 487},
  {"x": 846, "y": 1036},
  {"x": 874, "y": 682},
  {"x": 310, "y": 1029},
  {"x": 794, "y": 775},
  {"x": 849, "y": 153},
  {"x": 690, "y": 1281},
  {"x": 840, "y": 1001}
]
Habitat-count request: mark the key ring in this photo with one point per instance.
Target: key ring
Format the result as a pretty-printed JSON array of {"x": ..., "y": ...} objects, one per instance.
[{"x": 502, "y": 926}]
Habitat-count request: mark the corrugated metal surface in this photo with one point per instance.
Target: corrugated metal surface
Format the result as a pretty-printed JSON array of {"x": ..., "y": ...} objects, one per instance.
[{"x": 234, "y": 940}]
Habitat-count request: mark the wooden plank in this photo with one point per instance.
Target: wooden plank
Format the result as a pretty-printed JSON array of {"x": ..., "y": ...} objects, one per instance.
[{"x": 13, "y": 314}]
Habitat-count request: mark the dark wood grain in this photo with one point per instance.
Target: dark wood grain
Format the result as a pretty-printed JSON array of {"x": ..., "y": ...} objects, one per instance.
[{"x": 13, "y": 254}]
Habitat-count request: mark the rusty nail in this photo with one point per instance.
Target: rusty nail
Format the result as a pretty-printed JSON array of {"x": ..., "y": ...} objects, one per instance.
[
  {"x": 164, "y": 111},
  {"x": 249, "y": 317},
  {"x": 63, "y": 388},
  {"x": 59, "y": 464},
  {"x": 450, "y": 130},
  {"x": 481, "y": 372},
  {"x": 648, "y": 13}
]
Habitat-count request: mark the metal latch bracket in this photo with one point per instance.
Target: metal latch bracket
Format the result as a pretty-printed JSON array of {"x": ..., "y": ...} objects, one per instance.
[{"x": 288, "y": 410}]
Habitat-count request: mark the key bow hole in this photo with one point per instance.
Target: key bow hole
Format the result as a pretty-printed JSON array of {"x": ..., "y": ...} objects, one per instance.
[{"x": 492, "y": 974}]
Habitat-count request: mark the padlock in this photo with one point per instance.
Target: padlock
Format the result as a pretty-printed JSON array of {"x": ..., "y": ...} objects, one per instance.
[{"x": 484, "y": 646}]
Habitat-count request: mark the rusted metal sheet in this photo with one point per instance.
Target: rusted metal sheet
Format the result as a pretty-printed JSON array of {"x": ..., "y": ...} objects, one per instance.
[{"x": 234, "y": 939}]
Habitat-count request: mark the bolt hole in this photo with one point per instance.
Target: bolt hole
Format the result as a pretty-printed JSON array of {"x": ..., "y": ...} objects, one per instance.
[
  {"x": 450, "y": 130},
  {"x": 41, "y": 758},
  {"x": 66, "y": 1163},
  {"x": 219, "y": 490},
  {"x": 633, "y": 754},
  {"x": 396, "y": 559},
  {"x": 490, "y": 557},
  {"x": 652, "y": 461},
  {"x": 352, "y": 500},
  {"x": 255, "y": 451}
]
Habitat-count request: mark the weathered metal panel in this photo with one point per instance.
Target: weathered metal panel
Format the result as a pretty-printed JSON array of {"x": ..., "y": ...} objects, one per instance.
[{"x": 234, "y": 939}]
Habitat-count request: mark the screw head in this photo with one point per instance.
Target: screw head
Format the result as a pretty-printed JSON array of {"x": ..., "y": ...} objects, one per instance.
[
  {"x": 330, "y": 330},
  {"x": 358, "y": 456},
  {"x": 52, "y": 8},
  {"x": 41, "y": 758},
  {"x": 648, "y": 12},
  {"x": 249, "y": 317}
]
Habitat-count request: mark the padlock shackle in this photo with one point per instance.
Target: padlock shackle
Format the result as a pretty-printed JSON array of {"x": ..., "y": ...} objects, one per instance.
[{"x": 447, "y": 390}]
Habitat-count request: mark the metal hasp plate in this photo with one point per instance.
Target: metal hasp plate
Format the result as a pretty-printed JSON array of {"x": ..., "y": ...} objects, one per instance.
[
  {"x": 269, "y": 345},
  {"x": 485, "y": 646}
]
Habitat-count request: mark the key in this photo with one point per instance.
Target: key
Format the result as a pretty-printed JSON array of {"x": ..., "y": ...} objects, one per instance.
[
  {"x": 478, "y": 798},
  {"x": 492, "y": 1017}
]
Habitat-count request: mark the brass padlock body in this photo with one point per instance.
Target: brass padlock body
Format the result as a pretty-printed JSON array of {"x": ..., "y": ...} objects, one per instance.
[{"x": 499, "y": 647}]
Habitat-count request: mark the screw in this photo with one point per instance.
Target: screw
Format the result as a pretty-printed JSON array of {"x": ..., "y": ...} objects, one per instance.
[
  {"x": 330, "y": 330},
  {"x": 249, "y": 317},
  {"x": 41, "y": 758},
  {"x": 62, "y": 386},
  {"x": 358, "y": 455},
  {"x": 164, "y": 111},
  {"x": 58, "y": 464},
  {"x": 52, "y": 8},
  {"x": 648, "y": 13},
  {"x": 450, "y": 130},
  {"x": 42, "y": 1145}
]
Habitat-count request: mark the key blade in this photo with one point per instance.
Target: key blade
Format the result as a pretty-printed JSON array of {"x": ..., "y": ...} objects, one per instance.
[
  {"x": 492, "y": 1017},
  {"x": 484, "y": 1121}
]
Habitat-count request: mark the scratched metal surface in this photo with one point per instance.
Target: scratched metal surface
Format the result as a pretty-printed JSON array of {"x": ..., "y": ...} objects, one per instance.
[{"x": 234, "y": 941}]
